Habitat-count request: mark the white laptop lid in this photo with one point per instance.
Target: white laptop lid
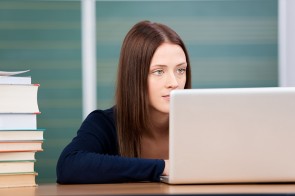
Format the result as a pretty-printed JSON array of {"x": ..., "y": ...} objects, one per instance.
[{"x": 232, "y": 135}]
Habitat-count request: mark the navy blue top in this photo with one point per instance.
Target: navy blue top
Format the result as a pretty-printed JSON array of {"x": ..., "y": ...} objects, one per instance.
[{"x": 92, "y": 156}]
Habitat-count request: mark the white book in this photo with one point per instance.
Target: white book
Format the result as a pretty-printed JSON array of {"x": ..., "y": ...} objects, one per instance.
[
  {"x": 8, "y": 77},
  {"x": 15, "y": 80},
  {"x": 20, "y": 146},
  {"x": 16, "y": 166},
  {"x": 15, "y": 135},
  {"x": 18, "y": 180},
  {"x": 19, "y": 98},
  {"x": 18, "y": 121},
  {"x": 17, "y": 156}
]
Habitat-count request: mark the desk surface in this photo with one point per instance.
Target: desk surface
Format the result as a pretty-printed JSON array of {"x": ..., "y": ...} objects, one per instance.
[{"x": 148, "y": 189}]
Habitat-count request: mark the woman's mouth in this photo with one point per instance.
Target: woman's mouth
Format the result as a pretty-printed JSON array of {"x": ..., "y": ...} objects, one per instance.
[{"x": 166, "y": 97}]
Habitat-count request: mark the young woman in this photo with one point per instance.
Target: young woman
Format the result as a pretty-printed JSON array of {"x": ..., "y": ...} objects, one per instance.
[{"x": 129, "y": 142}]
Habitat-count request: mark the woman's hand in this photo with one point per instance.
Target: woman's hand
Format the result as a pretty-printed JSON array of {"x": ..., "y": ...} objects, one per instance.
[{"x": 166, "y": 169}]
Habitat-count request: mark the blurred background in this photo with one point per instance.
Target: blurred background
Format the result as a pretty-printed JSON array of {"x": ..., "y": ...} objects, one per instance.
[{"x": 231, "y": 43}]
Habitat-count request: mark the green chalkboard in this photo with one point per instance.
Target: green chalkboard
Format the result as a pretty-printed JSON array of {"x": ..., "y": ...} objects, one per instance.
[
  {"x": 45, "y": 37},
  {"x": 231, "y": 43}
]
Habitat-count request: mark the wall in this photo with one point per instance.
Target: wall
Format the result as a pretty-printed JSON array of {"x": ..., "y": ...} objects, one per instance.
[
  {"x": 45, "y": 37},
  {"x": 231, "y": 44}
]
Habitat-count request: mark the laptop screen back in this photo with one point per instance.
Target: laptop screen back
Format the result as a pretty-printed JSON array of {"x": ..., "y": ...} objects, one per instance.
[{"x": 232, "y": 135}]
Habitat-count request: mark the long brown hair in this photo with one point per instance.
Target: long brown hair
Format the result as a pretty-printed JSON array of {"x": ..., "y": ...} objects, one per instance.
[{"x": 132, "y": 105}]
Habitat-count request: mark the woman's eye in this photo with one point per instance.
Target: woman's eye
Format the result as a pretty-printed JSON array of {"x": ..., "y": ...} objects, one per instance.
[
  {"x": 158, "y": 72},
  {"x": 181, "y": 70}
]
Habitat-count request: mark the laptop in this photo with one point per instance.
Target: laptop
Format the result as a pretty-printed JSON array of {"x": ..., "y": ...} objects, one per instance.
[{"x": 237, "y": 135}]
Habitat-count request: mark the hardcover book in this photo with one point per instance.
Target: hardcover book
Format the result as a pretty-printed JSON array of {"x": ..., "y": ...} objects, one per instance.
[
  {"x": 18, "y": 121},
  {"x": 10, "y": 78},
  {"x": 19, "y": 98},
  {"x": 15, "y": 80},
  {"x": 17, "y": 179},
  {"x": 20, "y": 146},
  {"x": 25, "y": 134},
  {"x": 17, "y": 156},
  {"x": 16, "y": 166}
]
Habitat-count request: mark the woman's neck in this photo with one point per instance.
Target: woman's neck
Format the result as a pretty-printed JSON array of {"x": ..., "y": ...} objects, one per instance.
[
  {"x": 155, "y": 142},
  {"x": 159, "y": 124}
]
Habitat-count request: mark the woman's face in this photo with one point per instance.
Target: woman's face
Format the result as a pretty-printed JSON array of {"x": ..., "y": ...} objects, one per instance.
[{"x": 167, "y": 72}]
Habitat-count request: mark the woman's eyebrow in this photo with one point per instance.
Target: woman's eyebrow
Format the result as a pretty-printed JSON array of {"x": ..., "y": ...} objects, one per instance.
[
  {"x": 180, "y": 64},
  {"x": 160, "y": 65}
]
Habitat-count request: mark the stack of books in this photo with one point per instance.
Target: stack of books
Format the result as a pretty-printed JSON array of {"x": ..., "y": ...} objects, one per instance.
[{"x": 20, "y": 138}]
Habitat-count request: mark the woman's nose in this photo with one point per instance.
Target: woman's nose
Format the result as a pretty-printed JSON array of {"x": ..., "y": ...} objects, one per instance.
[{"x": 171, "y": 81}]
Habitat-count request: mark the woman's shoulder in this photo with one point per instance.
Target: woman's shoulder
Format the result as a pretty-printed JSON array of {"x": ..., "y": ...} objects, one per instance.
[
  {"x": 107, "y": 113},
  {"x": 99, "y": 122},
  {"x": 102, "y": 116}
]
